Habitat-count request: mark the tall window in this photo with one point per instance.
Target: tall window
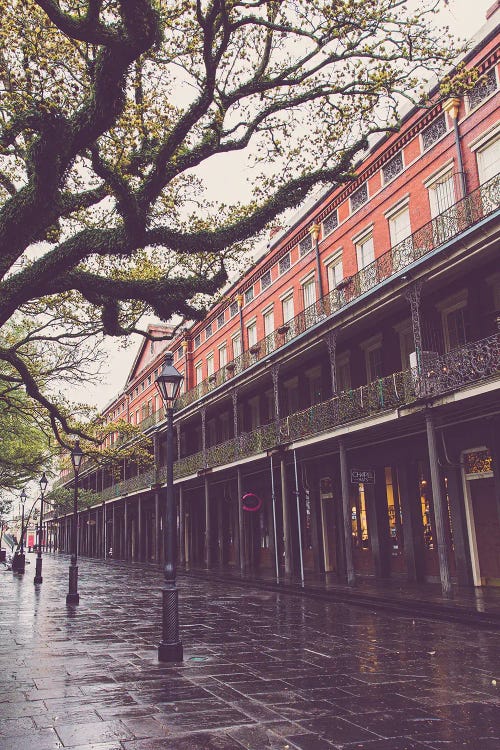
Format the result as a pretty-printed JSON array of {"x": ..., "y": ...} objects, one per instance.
[
  {"x": 374, "y": 363},
  {"x": 373, "y": 357},
  {"x": 399, "y": 226},
  {"x": 441, "y": 194},
  {"x": 454, "y": 319},
  {"x": 268, "y": 318},
  {"x": 287, "y": 308},
  {"x": 335, "y": 272},
  {"x": 359, "y": 521},
  {"x": 455, "y": 333},
  {"x": 222, "y": 356},
  {"x": 252, "y": 334},
  {"x": 488, "y": 160},
  {"x": 309, "y": 292},
  {"x": 236, "y": 341},
  {"x": 441, "y": 199},
  {"x": 343, "y": 371},
  {"x": 198, "y": 373},
  {"x": 365, "y": 252},
  {"x": 406, "y": 342},
  {"x": 210, "y": 364}
]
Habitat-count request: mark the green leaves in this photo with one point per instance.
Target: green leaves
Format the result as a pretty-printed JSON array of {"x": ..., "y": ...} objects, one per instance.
[{"x": 113, "y": 114}]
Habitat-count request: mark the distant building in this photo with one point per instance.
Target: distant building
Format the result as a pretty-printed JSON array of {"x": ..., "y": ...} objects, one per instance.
[{"x": 350, "y": 380}]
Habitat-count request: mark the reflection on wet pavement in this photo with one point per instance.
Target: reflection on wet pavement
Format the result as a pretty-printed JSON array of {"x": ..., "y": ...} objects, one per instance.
[{"x": 261, "y": 670}]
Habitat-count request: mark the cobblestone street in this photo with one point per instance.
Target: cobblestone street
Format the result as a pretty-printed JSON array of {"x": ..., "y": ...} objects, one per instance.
[{"x": 261, "y": 670}]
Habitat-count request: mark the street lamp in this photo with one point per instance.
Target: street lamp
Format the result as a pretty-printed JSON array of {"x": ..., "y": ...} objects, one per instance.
[
  {"x": 170, "y": 648},
  {"x": 38, "y": 570},
  {"x": 73, "y": 597},
  {"x": 19, "y": 561}
]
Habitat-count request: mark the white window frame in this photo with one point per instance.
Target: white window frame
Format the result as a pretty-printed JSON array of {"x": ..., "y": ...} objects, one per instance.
[
  {"x": 268, "y": 313},
  {"x": 251, "y": 326},
  {"x": 222, "y": 349},
  {"x": 445, "y": 170},
  {"x": 308, "y": 281},
  {"x": 236, "y": 337},
  {"x": 402, "y": 206},
  {"x": 210, "y": 364},
  {"x": 482, "y": 143},
  {"x": 286, "y": 297},
  {"x": 359, "y": 241},
  {"x": 334, "y": 261},
  {"x": 198, "y": 373}
]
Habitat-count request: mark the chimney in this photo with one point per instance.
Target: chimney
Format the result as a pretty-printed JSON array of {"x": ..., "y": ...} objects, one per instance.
[{"x": 492, "y": 9}]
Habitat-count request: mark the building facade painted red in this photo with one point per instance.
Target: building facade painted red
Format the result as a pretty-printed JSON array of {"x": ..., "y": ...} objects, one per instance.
[{"x": 349, "y": 379}]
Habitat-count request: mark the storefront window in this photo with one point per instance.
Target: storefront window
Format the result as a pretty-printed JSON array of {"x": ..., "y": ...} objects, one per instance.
[
  {"x": 394, "y": 512},
  {"x": 307, "y": 537},
  {"x": 359, "y": 524},
  {"x": 426, "y": 509},
  {"x": 264, "y": 530}
]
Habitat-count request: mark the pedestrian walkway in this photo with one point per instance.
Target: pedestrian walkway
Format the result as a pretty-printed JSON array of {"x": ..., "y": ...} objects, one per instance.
[
  {"x": 262, "y": 669},
  {"x": 471, "y": 606}
]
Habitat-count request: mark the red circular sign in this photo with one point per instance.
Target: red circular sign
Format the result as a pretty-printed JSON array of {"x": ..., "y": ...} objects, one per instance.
[{"x": 251, "y": 502}]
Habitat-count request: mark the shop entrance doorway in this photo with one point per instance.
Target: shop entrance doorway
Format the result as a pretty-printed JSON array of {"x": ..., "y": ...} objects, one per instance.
[
  {"x": 482, "y": 518},
  {"x": 328, "y": 524}
]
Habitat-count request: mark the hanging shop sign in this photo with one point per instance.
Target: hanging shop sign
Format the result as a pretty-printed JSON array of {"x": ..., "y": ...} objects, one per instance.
[
  {"x": 362, "y": 476},
  {"x": 251, "y": 502}
]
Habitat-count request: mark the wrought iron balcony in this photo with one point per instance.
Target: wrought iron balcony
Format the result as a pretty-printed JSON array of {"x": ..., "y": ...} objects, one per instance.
[
  {"x": 475, "y": 362},
  {"x": 449, "y": 224},
  {"x": 139, "y": 482},
  {"x": 458, "y": 368}
]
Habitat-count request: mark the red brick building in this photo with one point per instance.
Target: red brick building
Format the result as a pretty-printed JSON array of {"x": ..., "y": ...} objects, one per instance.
[{"x": 349, "y": 379}]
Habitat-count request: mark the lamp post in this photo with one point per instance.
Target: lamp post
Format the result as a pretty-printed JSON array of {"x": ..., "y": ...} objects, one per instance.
[
  {"x": 19, "y": 561},
  {"x": 73, "y": 597},
  {"x": 38, "y": 570},
  {"x": 170, "y": 649}
]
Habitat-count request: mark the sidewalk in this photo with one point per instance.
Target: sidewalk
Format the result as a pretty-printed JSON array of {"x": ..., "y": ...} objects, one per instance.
[
  {"x": 472, "y": 606},
  {"x": 262, "y": 669}
]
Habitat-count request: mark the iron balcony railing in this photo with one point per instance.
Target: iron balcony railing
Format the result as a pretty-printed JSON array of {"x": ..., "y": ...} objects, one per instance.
[
  {"x": 132, "y": 484},
  {"x": 472, "y": 363},
  {"x": 461, "y": 367},
  {"x": 449, "y": 224}
]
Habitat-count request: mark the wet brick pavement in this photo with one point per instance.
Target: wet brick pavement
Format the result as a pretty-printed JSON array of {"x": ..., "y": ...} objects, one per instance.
[{"x": 262, "y": 670}]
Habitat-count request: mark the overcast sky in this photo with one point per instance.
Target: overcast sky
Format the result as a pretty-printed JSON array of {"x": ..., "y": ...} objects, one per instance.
[{"x": 464, "y": 17}]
